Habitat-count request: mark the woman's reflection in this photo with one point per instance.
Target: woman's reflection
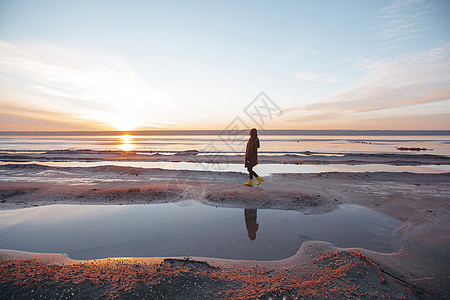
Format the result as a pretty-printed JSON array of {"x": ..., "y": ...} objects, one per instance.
[{"x": 250, "y": 222}]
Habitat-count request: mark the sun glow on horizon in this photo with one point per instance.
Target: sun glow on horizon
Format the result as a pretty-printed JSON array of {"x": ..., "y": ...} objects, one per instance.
[
  {"x": 124, "y": 121},
  {"x": 109, "y": 90}
]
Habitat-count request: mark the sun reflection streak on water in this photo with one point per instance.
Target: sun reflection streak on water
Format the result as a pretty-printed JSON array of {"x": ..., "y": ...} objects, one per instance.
[{"x": 126, "y": 142}]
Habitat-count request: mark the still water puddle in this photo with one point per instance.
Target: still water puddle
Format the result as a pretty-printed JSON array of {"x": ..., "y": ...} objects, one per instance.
[{"x": 93, "y": 231}]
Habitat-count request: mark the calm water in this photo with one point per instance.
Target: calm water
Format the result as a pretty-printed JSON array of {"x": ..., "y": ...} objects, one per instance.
[
  {"x": 212, "y": 144},
  {"x": 88, "y": 232},
  {"x": 279, "y": 144}
]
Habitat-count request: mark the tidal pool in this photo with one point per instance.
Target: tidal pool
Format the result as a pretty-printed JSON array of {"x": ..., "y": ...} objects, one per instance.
[{"x": 94, "y": 231}]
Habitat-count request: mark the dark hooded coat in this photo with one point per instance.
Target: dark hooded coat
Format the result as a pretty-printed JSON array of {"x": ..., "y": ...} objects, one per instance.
[{"x": 251, "y": 153}]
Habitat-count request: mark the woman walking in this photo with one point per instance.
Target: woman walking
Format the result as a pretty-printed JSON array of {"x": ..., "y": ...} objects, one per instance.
[{"x": 251, "y": 157}]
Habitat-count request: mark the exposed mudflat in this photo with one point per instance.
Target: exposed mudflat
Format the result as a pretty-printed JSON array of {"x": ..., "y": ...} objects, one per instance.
[
  {"x": 195, "y": 156},
  {"x": 418, "y": 270}
]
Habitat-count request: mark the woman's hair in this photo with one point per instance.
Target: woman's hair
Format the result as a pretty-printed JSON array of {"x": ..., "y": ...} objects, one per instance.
[{"x": 253, "y": 132}]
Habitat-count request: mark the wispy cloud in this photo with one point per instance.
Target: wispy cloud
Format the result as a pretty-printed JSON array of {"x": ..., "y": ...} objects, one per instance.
[
  {"x": 403, "y": 20},
  {"x": 321, "y": 78},
  {"x": 413, "y": 79},
  {"x": 89, "y": 85}
]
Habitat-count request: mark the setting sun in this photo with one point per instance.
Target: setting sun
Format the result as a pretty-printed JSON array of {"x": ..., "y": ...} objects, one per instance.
[{"x": 124, "y": 121}]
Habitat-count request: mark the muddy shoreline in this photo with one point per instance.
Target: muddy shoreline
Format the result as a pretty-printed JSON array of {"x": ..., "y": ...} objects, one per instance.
[
  {"x": 224, "y": 157},
  {"x": 418, "y": 270}
]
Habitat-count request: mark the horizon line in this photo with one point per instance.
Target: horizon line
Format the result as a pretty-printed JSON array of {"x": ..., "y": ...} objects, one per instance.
[{"x": 231, "y": 132}]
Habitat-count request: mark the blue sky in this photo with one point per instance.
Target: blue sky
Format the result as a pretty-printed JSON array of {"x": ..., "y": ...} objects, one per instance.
[{"x": 197, "y": 64}]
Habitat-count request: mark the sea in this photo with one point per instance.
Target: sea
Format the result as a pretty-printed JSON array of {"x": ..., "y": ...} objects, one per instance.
[{"x": 273, "y": 142}]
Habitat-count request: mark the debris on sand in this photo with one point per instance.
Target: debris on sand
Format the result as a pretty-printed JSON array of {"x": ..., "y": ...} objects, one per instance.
[
  {"x": 333, "y": 274},
  {"x": 413, "y": 149}
]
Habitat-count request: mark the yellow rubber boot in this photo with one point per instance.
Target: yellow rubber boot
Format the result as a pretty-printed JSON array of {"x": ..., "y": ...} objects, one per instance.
[
  {"x": 259, "y": 179},
  {"x": 249, "y": 183}
]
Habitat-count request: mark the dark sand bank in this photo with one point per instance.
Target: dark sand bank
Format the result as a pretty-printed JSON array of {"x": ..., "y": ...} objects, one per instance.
[
  {"x": 318, "y": 270},
  {"x": 223, "y": 157}
]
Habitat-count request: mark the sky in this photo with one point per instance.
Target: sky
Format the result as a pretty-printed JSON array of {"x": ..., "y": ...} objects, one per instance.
[{"x": 105, "y": 65}]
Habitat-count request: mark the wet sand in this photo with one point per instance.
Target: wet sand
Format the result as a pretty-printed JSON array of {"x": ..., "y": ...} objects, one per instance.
[
  {"x": 318, "y": 270},
  {"x": 224, "y": 157}
]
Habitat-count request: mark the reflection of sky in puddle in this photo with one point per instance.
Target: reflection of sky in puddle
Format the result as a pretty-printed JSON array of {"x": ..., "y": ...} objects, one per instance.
[{"x": 86, "y": 232}]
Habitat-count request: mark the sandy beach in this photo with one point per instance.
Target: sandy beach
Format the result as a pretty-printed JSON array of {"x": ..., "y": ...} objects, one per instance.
[
  {"x": 225, "y": 149},
  {"x": 318, "y": 270}
]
